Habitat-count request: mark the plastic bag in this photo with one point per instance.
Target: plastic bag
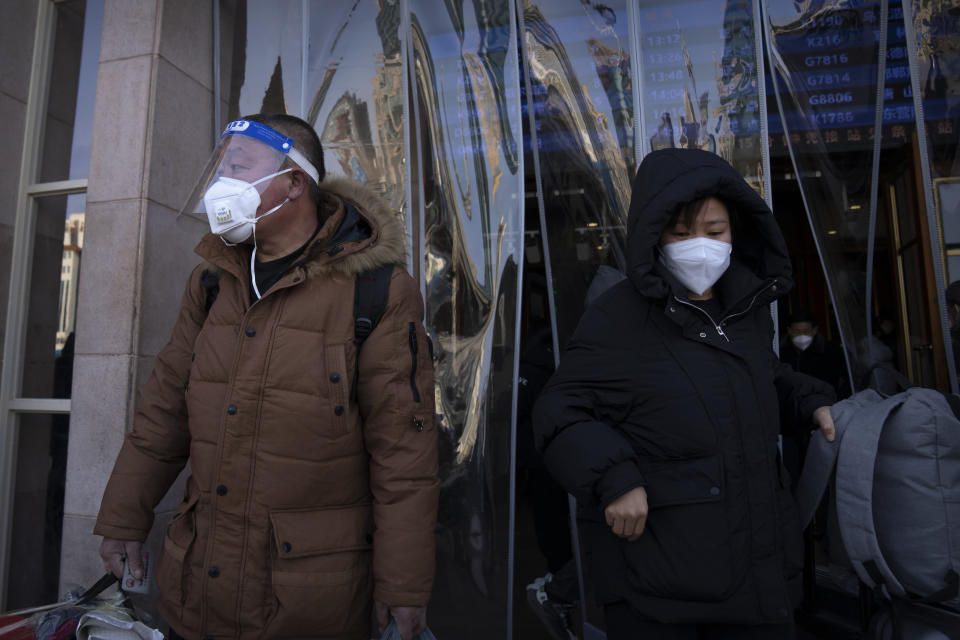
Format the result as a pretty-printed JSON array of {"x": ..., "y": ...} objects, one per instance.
[{"x": 392, "y": 633}]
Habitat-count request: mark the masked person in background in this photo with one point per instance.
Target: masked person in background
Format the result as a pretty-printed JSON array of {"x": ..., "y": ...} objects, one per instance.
[
  {"x": 314, "y": 487},
  {"x": 808, "y": 351},
  {"x": 663, "y": 416}
]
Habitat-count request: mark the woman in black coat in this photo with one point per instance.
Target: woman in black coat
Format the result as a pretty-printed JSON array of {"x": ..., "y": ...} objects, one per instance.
[{"x": 663, "y": 416}]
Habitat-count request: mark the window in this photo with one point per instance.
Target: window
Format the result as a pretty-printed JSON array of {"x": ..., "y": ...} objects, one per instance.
[{"x": 54, "y": 90}]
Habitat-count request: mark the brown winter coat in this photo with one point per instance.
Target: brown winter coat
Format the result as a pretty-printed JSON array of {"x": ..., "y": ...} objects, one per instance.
[{"x": 304, "y": 500}]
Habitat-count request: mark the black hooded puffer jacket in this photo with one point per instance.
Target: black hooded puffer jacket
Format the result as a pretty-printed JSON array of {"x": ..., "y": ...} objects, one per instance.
[{"x": 652, "y": 392}]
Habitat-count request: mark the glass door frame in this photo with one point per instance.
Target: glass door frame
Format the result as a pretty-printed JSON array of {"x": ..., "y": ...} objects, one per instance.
[{"x": 12, "y": 405}]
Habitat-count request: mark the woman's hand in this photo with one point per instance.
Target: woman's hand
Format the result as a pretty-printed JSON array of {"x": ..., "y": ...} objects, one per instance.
[
  {"x": 824, "y": 422},
  {"x": 627, "y": 515}
]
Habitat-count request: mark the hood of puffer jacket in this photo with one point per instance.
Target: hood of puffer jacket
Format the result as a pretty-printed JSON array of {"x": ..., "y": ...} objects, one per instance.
[
  {"x": 359, "y": 233},
  {"x": 670, "y": 178}
]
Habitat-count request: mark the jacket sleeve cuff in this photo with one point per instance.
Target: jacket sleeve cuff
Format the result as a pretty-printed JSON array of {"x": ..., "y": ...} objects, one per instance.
[
  {"x": 392, "y": 598},
  {"x": 812, "y": 403},
  {"x": 619, "y": 479},
  {"x": 119, "y": 533}
]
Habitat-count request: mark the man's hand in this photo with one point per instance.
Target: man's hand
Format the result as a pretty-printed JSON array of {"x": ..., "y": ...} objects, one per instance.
[
  {"x": 824, "y": 421},
  {"x": 627, "y": 515},
  {"x": 114, "y": 551},
  {"x": 410, "y": 620}
]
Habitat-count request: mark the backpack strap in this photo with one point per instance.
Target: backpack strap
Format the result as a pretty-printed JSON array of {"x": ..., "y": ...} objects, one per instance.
[
  {"x": 856, "y": 467},
  {"x": 371, "y": 290},
  {"x": 821, "y": 458},
  {"x": 210, "y": 280},
  {"x": 954, "y": 401}
]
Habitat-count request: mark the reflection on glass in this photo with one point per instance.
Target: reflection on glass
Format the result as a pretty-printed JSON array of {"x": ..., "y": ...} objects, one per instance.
[
  {"x": 57, "y": 247},
  {"x": 38, "y": 508},
  {"x": 467, "y": 89},
  {"x": 937, "y": 23},
  {"x": 824, "y": 59},
  {"x": 266, "y": 69},
  {"x": 355, "y": 93},
  {"x": 579, "y": 65},
  {"x": 62, "y": 99},
  {"x": 698, "y": 69},
  {"x": 937, "y": 60}
]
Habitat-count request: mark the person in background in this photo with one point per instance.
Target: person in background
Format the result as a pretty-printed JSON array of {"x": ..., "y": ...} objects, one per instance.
[{"x": 808, "y": 351}]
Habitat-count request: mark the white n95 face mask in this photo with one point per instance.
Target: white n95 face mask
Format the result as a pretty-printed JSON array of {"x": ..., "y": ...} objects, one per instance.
[
  {"x": 802, "y": 342},
  {"x": 231, "y": 207},
  {"x": 698, "y": 262}
]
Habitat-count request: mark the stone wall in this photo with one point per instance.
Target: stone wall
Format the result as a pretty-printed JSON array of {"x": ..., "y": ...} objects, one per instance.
[{"x": 152, "y": 132}]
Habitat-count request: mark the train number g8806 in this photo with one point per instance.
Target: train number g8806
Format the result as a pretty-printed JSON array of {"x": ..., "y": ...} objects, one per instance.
[{"x": 844, "y": 97}]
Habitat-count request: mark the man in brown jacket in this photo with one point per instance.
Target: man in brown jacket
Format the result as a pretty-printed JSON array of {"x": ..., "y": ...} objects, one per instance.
[{"x": 314, "y": 485}]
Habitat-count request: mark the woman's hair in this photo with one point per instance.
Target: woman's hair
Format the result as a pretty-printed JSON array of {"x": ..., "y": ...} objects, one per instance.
[{"x": 689, "y": 211}]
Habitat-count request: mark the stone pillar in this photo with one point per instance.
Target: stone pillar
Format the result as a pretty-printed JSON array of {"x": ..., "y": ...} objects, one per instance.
[{"x": 152, "y": 132}]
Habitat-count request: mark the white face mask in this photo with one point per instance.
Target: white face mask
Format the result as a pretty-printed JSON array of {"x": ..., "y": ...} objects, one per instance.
[
  {"x": 698, "y": 262},
  {"x": 231, "y": 206},
  {"x": 802, "y": 342}
]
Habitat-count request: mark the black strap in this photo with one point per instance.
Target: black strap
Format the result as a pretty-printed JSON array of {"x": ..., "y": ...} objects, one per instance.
[
  {"x": 370, "y": 301},
  {"x": 954, "y": 401},
  {"x": 210, "y": 281},
  {"x": 949, "y": 591},
  {"x": 98, "y": 588},
  {"x": 371, "y": 290}
]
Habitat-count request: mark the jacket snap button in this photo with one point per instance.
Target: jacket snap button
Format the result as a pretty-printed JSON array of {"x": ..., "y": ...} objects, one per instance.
[
  {"x": 703, "y": 334},
  {"x": 673, "y": 309},
  {"x": 213, "y": 572},
  {"x": 232, "y": 409},
  {"x": 251, "y": 332},
  {"x": 222, "y": 490},
  {"x": 714, "y": 491},
  {"x": 338, "y": 410},
  {"x": 418, "y": 424},
  {"x": 286, "y": 547},
  {"x": 334, "y": 377}
]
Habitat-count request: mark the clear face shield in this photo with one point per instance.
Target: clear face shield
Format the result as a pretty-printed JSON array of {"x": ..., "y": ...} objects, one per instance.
[{"x": 229, "y": 197}]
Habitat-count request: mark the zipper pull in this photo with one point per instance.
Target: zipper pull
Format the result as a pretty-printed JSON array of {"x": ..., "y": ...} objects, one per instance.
[{"x": 720, "y": 331}]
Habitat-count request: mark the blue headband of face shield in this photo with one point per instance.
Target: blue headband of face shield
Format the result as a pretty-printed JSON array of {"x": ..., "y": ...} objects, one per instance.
[{"x": 274, "y": 139}]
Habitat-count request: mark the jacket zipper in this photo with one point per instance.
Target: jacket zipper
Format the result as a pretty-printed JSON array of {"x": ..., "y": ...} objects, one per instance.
[
  {"x": 703, "y": 311},
  {"x": 749, "y": 306},
  {"x": 413, "y": 359},
  {"x": 719, "y": 326}
]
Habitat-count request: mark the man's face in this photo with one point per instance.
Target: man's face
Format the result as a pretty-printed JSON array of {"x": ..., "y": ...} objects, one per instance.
[
  {"x": 249, "y": 160},
  {"x": 801, "y": 329}
]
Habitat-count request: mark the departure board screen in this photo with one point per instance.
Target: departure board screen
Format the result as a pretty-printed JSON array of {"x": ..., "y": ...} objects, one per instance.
[{"x": 831, "y": 95}]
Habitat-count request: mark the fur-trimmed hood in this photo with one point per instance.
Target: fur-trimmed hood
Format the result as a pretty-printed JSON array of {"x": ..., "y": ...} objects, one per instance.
[{"x": 359, "y": 233}]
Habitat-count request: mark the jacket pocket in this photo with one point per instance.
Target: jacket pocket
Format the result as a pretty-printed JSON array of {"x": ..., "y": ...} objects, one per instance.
[
  {"x": 414, "y": 355},
  {"x": 685, "y": 552},
  {"x": 173, "y": 570},
  {"x": 320, "y": 571}
]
